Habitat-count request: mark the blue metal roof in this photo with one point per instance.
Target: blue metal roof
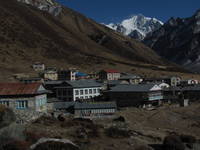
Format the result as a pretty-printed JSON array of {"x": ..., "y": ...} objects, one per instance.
[{"x": 81, "y": 74}]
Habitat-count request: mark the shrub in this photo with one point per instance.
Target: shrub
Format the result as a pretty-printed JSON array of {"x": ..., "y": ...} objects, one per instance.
[
  {"x": 188, "y": 139},
  {"x": 11, "y": 133},
  {"x": 116, "y": 132},
  {"x": 46, "y": 120},
  {"x": 15, "y": 145},
  {"x": 173, "y": 142},
  {"x": 32, "y": 136},
  {"x": 94, "y": 131},
  {"x": 120, "y": 119},
  {"x": 143, "y": 148},
  {"x": 7, "y": 116}
]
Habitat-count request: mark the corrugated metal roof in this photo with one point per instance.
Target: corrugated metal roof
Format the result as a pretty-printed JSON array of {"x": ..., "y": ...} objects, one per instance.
[
  {"x": 129, "y": 76},
  {"x": 63, "y": 105},
  {"x": 78, "y": 84},
  {"x": 78, "y": 105},
  {"x": 103, "y": 105},
  {"x": 132, "y": 88},
  {"x": 111, "y": 71},
  {"x": 19, "y": 88},
  {"x": 192, "y": 88}
]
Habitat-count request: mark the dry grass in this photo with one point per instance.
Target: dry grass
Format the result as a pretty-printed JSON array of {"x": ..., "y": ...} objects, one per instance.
[{"x": 66, "y": 42}]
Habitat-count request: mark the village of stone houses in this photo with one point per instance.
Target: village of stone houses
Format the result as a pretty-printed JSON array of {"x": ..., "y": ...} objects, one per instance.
[
  {"x": 135, "y": 106},
  {"x": 74, "y": 76}
]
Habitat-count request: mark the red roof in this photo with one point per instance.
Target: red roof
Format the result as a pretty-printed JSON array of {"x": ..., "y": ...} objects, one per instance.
[
  {"x": 111, "y": 71},
  {"x": 19, "y": 88}
]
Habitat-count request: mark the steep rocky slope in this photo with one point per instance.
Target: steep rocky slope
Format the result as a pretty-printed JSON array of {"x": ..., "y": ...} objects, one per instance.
[
  {"x": 29, "y": 34},
  {"x": 179, "y": 41}
]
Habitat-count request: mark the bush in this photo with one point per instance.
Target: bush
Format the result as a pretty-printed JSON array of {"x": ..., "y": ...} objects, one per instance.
[
  {"x": 143, "y": 148},
  {"x": 116, "y": 132},
  {"x": 173, "y": 142},
  {"x": 120, "y": 119},
  {"x": 45, "y": 120},
  {"x": 188, "y": 139},
  {"x": 94, "y": 131},
  {"x": 32, "y": 136},
  {"x": 15, "y": 145},
  {"x": 7, "y": 116},
  {"x": 11, "y": 133}
]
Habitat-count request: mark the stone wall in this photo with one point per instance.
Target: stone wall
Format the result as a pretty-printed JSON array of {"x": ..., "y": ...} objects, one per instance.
[{"x": 26, "y": 116}]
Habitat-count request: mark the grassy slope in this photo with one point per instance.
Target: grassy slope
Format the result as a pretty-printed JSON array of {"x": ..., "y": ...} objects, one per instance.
[{"x": 69, "y": 40}]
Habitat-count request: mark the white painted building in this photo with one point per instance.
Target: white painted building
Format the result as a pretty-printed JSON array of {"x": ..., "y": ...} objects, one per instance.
[
  {"x": 109, "y": 74},
  {"x": 78, "y": 90}
]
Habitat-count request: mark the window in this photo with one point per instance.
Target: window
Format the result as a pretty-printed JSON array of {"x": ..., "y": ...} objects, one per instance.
[
  {"x": 90, "y": 91},
  {"x": 81, "y": 97},
  {"x": 86, "y": 97},
  {"x": 86, "y": 91},
  {"x": 81, "y": 92},
  {"x": 95, "y": 91},
  {"x": 59, "y": 92},
  {"x": 77, "y": 92},
  {"x": 22, "y": 104},
  {"x": 69, "y": 92},
  {"x": 64, "y": 92},
  {"x": 6, "y": 103},
  {"x": 98, "y": 90}
]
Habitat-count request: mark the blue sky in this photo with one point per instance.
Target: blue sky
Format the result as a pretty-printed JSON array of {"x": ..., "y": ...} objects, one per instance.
[{"x": 106, "y": 11}]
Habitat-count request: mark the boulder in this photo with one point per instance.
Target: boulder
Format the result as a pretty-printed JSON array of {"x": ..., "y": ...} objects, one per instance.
[{"x": 54, "y": 144}]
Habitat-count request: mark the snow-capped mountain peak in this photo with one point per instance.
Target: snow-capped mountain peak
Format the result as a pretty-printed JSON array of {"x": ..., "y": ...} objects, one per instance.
[{"x": 137, "y": 26}]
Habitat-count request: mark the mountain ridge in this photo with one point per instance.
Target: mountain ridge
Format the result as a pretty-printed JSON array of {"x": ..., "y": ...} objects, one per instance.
[
  {"x": 136, "y": 26},
  {"x": 28, "y": 34},
  {"x": 178, "y": 41}
]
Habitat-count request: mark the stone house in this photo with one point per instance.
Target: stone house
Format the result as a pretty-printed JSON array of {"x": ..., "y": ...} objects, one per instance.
[
  {"x": 38, "y": 66},
  {"x": 67, "y": 74},
  {"x": 109, "y": 74},
  {"x": 189, "y": 82},
  {"x": 50, "y": 75},
  {"x": 172, "y": 80},
  {"x": 78, "y": 90},
  {"x": 191, "y": 92},
  {"x": 131, "y": 79},
  {"x": 21, "y": 96},
  {"x": 94, "y": 110},
  {"x": 87, "y": 110},
  {"x": 31, "y": 80},
  {"x": 81, "y": 75},
  {"x": 127, "y": 95}
]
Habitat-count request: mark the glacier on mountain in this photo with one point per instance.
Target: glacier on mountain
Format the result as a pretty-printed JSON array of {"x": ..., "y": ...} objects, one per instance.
[{"x": 137, "y": 26}]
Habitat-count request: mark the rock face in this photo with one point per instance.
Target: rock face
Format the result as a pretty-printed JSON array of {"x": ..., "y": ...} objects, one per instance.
[
  {"x": 45, "y": 5},
  {"x": 178, "y": 40},
  {"x": 137, "y": 26}
]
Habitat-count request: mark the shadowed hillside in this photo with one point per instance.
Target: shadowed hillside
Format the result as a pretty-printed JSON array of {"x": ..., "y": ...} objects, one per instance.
[{"x": 68, "y": 40}]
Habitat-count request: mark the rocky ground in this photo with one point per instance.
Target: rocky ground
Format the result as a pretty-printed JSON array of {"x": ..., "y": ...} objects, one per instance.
[
  {"x": 136, "y": 129},
  {"x": 141, "y": 128}
]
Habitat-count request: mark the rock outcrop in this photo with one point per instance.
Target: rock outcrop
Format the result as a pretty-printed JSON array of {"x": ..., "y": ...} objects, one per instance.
[{"x": 178, "y": 40}]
